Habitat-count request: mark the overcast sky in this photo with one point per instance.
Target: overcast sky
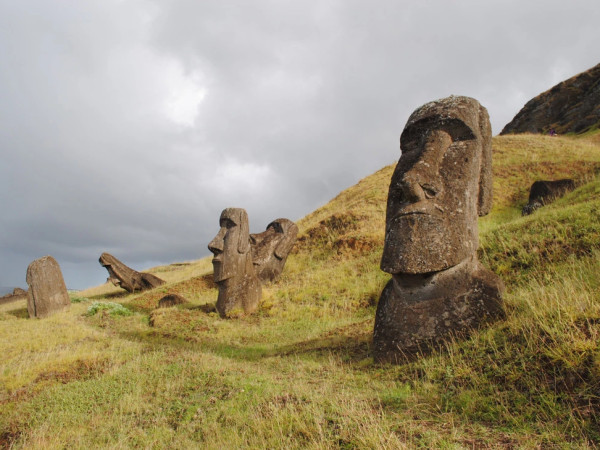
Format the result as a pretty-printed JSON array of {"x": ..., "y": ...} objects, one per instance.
[{"x": 126, "y": 126}]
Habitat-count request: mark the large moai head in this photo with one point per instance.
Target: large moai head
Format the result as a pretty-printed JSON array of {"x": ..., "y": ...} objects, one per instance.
[
  {"x": 441, "y": 184},
  {"x": 271, "y": 248},
  {"x": 231, "y": 245}
]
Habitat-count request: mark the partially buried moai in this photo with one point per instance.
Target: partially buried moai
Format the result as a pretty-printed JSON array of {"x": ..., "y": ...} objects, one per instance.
[
  {"x": 47, "y": 292},
  {"x": 441, "y": 184},
  {"x": 270, "y": 248},
  {"x": 239, "y": 287}
]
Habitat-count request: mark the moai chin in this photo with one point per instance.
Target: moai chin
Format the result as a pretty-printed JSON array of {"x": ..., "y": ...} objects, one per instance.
[
  {"x": 270, "y": 248},
  {"x": 234, "y": 274},
  {"x": 441, "y": 184}
]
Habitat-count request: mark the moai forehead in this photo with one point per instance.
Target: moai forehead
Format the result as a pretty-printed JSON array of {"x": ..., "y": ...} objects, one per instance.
[{"x": 238, "y": 216}]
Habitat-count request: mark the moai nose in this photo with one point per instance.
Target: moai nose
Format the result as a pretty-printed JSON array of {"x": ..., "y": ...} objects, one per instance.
[
  {"x": 216, "y": 245},
  {"x": 422, "y": 181},
  {"x": 412, "y": 191}
]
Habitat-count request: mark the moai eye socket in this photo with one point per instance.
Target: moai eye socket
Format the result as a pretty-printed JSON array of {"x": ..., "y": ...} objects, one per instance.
[
  {"x": 429, "y": 191},
  {"x": 227, "y": 223}
]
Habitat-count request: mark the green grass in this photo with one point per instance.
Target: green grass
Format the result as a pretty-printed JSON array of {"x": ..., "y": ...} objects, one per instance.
[
  {"x": 567, "y": 229},
  {"x": 112, "y": 308},
  {"x": 299, "y": 372}
]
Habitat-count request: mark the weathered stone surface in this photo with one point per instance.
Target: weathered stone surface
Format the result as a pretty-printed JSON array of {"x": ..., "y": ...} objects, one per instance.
[
  {"x": 270, "y": 248},
  {"x": 416, "y": 312},
  {"x": 170, "y": 300},
  {"x": 47, "y": 292},
  {"x": 127, "y": 278},
  {"x": 569, "y": 107},
  {"x": 239, "y": 287},
  {"x": 544, "y": 192},
  {"x": 441, "y": 184}
]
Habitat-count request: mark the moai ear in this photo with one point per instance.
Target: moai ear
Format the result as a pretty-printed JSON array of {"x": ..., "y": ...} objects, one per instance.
[
  {"x": 485, "y": 168},
  {"x": 244, "y": 238},
  {"x": 290, "y": 231}
]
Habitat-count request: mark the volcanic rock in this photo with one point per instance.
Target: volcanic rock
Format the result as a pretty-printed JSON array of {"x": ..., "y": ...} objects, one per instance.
[{"x": 572, "y": 106}]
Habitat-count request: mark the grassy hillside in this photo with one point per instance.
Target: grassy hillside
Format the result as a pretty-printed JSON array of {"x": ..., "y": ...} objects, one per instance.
[{"x": 299, "y": 373}]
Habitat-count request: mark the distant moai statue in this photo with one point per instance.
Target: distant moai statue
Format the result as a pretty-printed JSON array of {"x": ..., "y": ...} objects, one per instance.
[
  {"x": 239, "y": 287},
  {"x": 171, "y": 300},
  {"x": 543, "y": 192},
  {"x": 270, "y": 248},
  {"x": 125, "y": 277},
  {"x": 17, "y": 294},
  {"x": 47, "y": 291},
  {"x": 441, "y": 184}
]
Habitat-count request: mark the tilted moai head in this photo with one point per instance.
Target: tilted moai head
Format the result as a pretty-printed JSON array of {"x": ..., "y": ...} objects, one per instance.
[
  {"x": 234, "y": 273},
  {"x": 125, "y": 277},
  {"x": 271, "y": 248},
  {"x": 441, "y": 184}
]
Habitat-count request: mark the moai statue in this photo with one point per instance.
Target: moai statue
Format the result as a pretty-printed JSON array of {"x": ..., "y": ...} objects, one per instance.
[
  {"x": 544, "y": 192},
  {"x": 239, "y": 287},
  {"x": 171, "y": 300},
  {"x": 125, "y": 277},
  {"x": 441, "y": 184},
  {"x": 271, "y": 248},
  {"x": 47, "y": 292}
]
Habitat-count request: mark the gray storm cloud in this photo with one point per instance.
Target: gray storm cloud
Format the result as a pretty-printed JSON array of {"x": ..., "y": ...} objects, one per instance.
[{"x": 128, "y": 126}]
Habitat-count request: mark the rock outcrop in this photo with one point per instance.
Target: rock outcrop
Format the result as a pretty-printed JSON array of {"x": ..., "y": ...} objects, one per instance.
[{"x": 572, "y": 106}]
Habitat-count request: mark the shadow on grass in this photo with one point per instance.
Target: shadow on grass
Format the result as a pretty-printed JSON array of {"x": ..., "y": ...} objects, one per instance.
[
  {"x": 19, "y": 313},
  {"x": 111, "y": 295},
  {"x": 142, "y": 309},
  {"x": 8, "y": 438},
  {"x": 350, "y": 347}
]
